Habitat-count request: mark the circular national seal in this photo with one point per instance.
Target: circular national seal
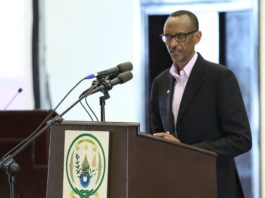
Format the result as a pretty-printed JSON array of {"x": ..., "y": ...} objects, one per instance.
[{"x": 85, "y": 165}]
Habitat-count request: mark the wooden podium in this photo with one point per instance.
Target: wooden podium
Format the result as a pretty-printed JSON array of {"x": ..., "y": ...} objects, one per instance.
[{"x": 140, "y": 165}]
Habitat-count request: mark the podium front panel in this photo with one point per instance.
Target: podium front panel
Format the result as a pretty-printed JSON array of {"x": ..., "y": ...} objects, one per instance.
[
  {"x": 118, "y": 153},
  {"x": 160, "y": 168}
]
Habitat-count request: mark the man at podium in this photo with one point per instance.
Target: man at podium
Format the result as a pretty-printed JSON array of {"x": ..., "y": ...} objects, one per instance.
[{"x": 198, "y": 102}]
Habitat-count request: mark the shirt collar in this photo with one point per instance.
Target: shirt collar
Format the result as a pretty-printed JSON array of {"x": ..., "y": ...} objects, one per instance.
[{"x": 187, "y": 68}]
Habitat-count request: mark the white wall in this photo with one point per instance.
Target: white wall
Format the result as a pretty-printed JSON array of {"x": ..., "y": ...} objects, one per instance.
[
  {"x": 15, "y": 54},
  {"x": 84, "y": 37}
]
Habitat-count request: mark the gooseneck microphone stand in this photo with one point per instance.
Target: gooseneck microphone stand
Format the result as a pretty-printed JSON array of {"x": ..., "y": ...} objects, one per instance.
[
  {"x": 102, "y": 99},
  {"x": 12, "y": 168},
  {"x": 102, "y": 102}
]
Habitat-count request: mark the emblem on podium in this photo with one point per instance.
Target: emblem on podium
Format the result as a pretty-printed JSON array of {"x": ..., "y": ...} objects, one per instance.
[{"x": 86, "y": 164}]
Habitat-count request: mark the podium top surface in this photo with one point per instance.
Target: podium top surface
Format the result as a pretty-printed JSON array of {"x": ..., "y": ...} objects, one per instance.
[
  {"x": 132, "y": 124},
  {"x": 141, "y": 134}
]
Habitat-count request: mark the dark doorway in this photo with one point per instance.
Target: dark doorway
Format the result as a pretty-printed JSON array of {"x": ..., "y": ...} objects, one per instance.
[{"x": 158, "y": 59}]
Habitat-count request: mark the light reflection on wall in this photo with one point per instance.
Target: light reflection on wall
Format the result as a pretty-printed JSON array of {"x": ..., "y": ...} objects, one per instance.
[
  {"x": 15, "y": 56},
  {"x": 210, "y": 36}
]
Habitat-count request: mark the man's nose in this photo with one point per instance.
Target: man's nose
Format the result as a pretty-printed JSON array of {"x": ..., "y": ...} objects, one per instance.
[{"x": 172, "y": 43}]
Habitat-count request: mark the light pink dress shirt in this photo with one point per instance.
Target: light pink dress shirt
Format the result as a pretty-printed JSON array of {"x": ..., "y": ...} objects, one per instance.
[{"x": 180, "y": 83}]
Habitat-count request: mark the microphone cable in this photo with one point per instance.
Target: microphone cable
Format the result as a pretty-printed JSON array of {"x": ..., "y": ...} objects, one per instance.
[
  {"x": 86, "y": 110},
  {"x": 91, "y": 109}
]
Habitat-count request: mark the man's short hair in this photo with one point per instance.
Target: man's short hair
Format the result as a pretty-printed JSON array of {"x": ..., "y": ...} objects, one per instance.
[{"x": 191, "y": 15}]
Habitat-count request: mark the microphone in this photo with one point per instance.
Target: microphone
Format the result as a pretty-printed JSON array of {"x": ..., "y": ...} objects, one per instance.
[
  {"x": 120, "y": 68},
  {"x": 14, "y": 97},
  {"x": 108, "y": 84},
  {"x": 122, "y": 78}
]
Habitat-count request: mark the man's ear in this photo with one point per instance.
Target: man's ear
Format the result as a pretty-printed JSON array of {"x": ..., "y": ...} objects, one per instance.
[{"x": 197, "y": 37}]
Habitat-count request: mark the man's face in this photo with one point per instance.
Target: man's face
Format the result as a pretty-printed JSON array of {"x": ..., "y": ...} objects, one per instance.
[{"x": 181, "y": 52}]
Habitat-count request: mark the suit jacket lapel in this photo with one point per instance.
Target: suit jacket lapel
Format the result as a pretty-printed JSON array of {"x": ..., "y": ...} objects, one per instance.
[
  {"x": 193, "y": 85},
  {"x": 168, "y": 89},
  {"x": 169, "y": 105}
]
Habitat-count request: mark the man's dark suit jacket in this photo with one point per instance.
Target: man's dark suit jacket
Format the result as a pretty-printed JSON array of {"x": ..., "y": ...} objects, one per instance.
[{"x": 211, "y": 116}]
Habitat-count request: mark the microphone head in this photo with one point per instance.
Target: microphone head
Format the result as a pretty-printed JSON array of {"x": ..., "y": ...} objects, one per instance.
[
  {"x": 19, "y": 90},
  {"x": 123, "y": 67},
  {"x": 125, "y": 76}
]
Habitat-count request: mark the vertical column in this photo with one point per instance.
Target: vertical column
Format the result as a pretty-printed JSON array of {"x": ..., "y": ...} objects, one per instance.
[{"x": 262, "y": 92}]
